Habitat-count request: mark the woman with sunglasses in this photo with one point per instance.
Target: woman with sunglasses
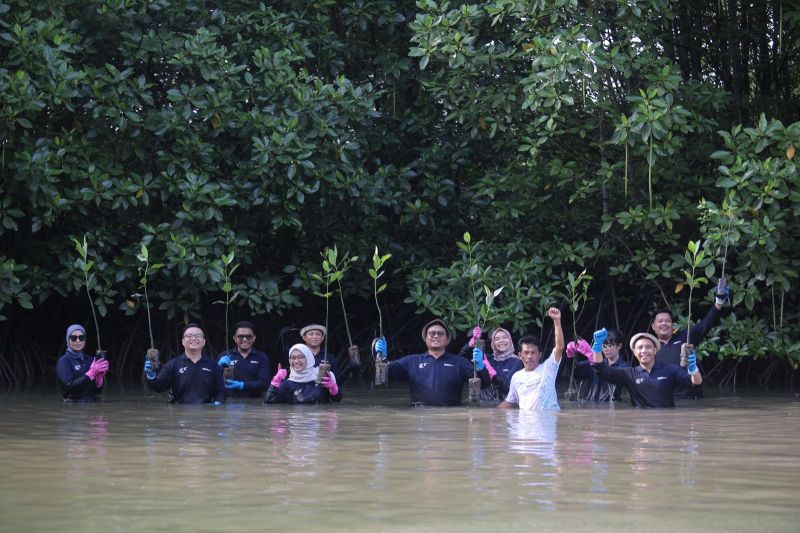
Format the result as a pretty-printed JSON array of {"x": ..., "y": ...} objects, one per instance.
[{"x": 81, "y": 376}]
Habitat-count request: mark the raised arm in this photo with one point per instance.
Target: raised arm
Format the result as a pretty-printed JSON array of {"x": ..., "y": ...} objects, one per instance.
[
  {"x": 600, "y": 337},
  {"x": 555, "y": 316}
]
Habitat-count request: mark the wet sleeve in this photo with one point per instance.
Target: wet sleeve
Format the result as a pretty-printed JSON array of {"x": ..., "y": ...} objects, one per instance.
[
  {"x": 617, "y": 376},
  {"x": 69, "y": 382},
  {"x": 512, "y": 391},
  {"x": 398, "y": 370},
  {"x": 219, "y": 385},
  {"x": 583, "y": 370},
  {"x": 275, "y": 395},
  {"x": 164, "y": 380},
  {"x": 683, "y": 377},
  {"x": 699, "y": 330}
]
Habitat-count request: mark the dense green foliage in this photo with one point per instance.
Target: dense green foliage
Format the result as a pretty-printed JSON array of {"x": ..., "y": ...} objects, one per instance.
[{"x": 564, "y": 135}]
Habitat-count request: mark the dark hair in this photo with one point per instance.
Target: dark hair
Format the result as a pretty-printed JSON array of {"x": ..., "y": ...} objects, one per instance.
[
  {"x": 615, "y": 336},
  {"x": 529, "y": 339},
  {"x": 244, "y": 324},
  {"x": 659, "y": 311},
  {"x": 191, "y": 325}
]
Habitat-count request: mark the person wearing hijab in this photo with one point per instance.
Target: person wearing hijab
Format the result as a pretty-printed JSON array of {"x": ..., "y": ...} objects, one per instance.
[
  {"x": 81, "y": 376},
  {"x": 501, "y": 364},
  {"x": 301, "y": 386}
]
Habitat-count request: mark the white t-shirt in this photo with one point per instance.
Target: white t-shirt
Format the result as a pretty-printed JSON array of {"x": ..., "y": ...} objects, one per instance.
[{"x": 535, "y": 390}]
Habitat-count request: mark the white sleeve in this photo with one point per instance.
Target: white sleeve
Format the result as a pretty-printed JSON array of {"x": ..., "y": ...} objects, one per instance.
[
  {"x": 551, "y": 366},
  {"x": 512, "y": 390}
]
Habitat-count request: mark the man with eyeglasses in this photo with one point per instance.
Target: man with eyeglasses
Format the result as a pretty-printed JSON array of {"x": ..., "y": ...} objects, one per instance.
[
  {"x": 191, "y": 377},
  {"x": 436, "y": 377},
  {"x": 251, "y": 370}
]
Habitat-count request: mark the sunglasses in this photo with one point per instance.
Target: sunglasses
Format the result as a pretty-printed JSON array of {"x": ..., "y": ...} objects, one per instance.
[
  {"x": 75, "y": 338},
  {"x": 244, "y": 337},
  {"x": 436, "y": 333}
]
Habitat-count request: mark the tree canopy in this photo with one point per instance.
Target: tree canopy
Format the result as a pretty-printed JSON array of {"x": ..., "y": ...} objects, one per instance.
[{"x": 563, "y": 135}]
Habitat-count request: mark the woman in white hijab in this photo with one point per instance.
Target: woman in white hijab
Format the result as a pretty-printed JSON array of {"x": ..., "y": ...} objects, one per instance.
[{"x": 301, "y": 386}]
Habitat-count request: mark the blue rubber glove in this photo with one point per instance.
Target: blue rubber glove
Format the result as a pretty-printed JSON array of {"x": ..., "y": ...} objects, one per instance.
[
  {"x": 723, "y": 292},
  {"x": 216, "y": 404},
  {"x": 692, "y": 367},
  {"x": 381, "y": 349},
  {"x": 600, "y": 337},
  {"x": 477, "y": 358},
  {"x": 224, "y": 361},
  {"x": 231, "y": 384},
  {"x": 149, "y": 373}
]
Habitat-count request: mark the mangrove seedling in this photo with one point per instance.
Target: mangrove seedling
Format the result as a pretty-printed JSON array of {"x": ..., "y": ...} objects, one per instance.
[
  {"x": 695, "y": 258},
  {"x": 226, "y": 269},
  {"x": 329, "y": 275},
  {"x": 144, "y": 257},
  {"x": 577, "y": 295},
  {"x": 376, "y": 272},
  {"x": 341, "y": 266},
  {"x": 85, "y": 265}
]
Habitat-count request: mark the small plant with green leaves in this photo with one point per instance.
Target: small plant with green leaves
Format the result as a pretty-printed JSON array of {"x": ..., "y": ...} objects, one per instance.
[
  {"x": 695, "y": 258},
  {"x": 226, "y": 268},
  {"x": 577, "y": 294},
  {"x": 340, "y": 266},
  {"x": 330, "y": 274},
  {"x": 376, "y": 271},
  {"x": 84, "y": 266},
  {"x": 145, "y": 269}
]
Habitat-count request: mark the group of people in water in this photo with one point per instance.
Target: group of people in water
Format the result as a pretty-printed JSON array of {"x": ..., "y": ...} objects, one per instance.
[{"x": 436, "y": 377}]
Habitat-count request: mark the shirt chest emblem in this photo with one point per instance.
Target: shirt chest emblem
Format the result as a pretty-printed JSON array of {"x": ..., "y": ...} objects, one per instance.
[
  {"x": 639, "y": 381},
  {"x": 78, "y": 366},
  {"x": 447, "y": 364},
  {"x": 182, "y": 370},
  {"x": 253, "y": 362},
  {"x": 659, "y": 378},
  {"x": 423, "y": 365},
  {"x": 206, "y": 369}
]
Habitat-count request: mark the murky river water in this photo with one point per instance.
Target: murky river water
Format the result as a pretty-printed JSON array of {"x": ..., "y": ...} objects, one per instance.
[{"x": 373, "y": 464}]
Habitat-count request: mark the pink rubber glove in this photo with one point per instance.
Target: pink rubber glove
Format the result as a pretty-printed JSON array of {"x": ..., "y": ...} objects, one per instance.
[
  {"x": 476, "y": 336},
  {"x": 585, "y": 349},
  {"x": 99, "y": 366},
  {"x": 280, "y": 375},
  {"x": 571, "y": 347},
  {"x": 329, "y": 382},
  {"x": 99, "y": 381},
  {"x": 492, "y": 372}
]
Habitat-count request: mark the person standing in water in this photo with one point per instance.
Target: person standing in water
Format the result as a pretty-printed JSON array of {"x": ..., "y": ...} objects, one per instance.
[
  {"x": 81, "y": 376},
  {"x": 598, "y": 389},
  {"x": 301, "y": 386},
  {"x": 251, "y": 370}
]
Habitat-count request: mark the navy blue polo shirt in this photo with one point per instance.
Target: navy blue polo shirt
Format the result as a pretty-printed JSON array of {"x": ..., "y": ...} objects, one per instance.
[
  {"x": 254, "y": 370},
  {"x": 76, "y": 386},
  {"x": 190, "y": 382},
  {"x": 648, "y": 389},
  {"x": 300, "y": 393},
  {"x": 670, "y": 353},
  {"x": 505, "y": 369},
  {"x": 433, "y": 381}
]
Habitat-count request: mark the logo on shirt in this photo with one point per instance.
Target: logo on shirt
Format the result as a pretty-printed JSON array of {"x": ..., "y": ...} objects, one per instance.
[
  {"x": 78, "y": 367},
  {"x": 253, "y": 362},
  {"x": 639, "y": 381},
  {"x": 423, "y": 365},
  {"x": 181, "y": 370},
  {"x": 659, "y": 378},
  {"x": 447, "y": 364},
  {"x": 206, "y": 369}
]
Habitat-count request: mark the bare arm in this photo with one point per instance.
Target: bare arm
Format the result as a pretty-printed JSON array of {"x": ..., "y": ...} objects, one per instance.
[{"x": 558, "y": 349}]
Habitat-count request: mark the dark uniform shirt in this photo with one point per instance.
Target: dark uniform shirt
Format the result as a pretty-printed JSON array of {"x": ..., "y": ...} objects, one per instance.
[
  {"x": 433, "y": 381},
  {"x": 76, "y": 386},
  {"x": 253, "y": 370},
  {"x": 670, "y": 353},
  {"x": 190, "y": 382},
  {"x": 295, "y": 393},
  {"x": 598, "y": 389},
  {"x": 497, "y": 388},
  {"x": 648, "y": 389}
]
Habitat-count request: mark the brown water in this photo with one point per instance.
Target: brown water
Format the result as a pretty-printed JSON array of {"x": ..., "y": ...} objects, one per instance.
[{"x": 372, "y": 464}]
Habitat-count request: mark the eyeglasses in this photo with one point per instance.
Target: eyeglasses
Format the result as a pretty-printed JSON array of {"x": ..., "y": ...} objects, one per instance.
[
  {"x": 436, "y": 333},
  {"x": 77, "y": 338},
  {"x": 297, "y": 358},
  {"x": 244, "y": 337},
  {"x": 194, "y": 337}
]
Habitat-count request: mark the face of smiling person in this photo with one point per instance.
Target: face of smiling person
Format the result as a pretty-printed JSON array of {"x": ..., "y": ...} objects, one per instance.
[
  {"x": 313, "y": 339},
  {"x": 502, "y": 341},
  {"x": 530, "y": 355},
  {"x": 297, "y": 360},
  {"x": 662, "y": 326},
  {"x": 436, "y": 339},
  {"x": 611, "y": 351},
  {"x": 645, "y": 352},
  {"x": 244, "y": 339},
  {"x": 77, "y": 341},
  {"x": 193, "y": 341}
]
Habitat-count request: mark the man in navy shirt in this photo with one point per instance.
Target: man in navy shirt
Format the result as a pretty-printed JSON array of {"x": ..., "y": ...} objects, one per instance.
[
  {"x": 251, "y": 371},
  {"x": 435, "y": 377},
  {"x": 651, "y": 384},
  {"x": 191, "y": 377},
  {"x": 314, "y": 337}
]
